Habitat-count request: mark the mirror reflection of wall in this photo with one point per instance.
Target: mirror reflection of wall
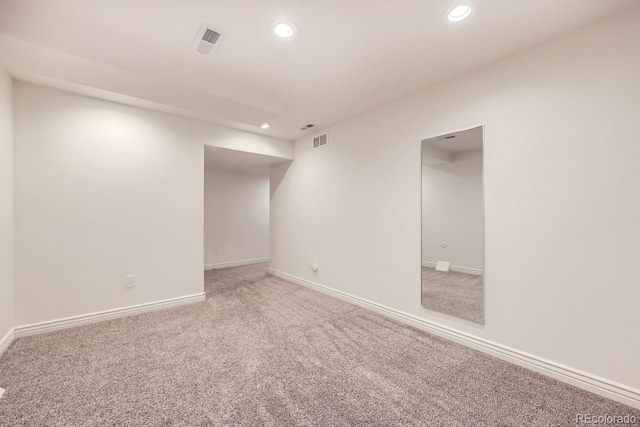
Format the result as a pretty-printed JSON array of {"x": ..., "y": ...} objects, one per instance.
[{"x": 453, "y": 224}]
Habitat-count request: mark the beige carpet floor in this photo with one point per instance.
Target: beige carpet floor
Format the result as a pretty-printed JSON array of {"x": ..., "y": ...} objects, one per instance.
[
  {"x": 262, "y": 351},
  {"x": 455, "y": 293}
]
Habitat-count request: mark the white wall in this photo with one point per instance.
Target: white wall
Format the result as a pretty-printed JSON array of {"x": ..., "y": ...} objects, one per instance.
[
  {"x": 562, "y": 203},
  {"x": 104, "y": 190},
  {"x": 6, "y": 204},
  {"x": 236, "y": 217},
  {"x": 452, "y": 211}
]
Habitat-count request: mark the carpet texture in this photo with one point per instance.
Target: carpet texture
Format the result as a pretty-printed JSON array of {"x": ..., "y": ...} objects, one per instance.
[
  {"x": 458, "y": 294},
  {"x": 262, "y": 351}
]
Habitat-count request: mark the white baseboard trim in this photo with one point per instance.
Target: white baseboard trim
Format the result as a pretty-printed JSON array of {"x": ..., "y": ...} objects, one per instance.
[
  {"x": 235, "y": 263},
  {"x": 6, "y": 341},
  {"x": 601, "y": 386},
  {"x": 457, "y": 268},
  {"x": 84, "y": 319}
]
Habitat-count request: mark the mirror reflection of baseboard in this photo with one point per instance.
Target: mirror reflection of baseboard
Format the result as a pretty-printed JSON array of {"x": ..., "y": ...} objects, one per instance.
[{"x": 453, "y": 224}]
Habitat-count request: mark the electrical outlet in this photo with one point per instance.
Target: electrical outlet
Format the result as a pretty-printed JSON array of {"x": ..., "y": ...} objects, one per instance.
[
  {"x": 216, "y": 251},
  {"x": 130, "y": 281}
]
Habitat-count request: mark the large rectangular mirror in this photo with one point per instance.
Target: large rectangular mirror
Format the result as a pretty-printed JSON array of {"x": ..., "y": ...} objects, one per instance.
[{"x": 453, "y": 224}]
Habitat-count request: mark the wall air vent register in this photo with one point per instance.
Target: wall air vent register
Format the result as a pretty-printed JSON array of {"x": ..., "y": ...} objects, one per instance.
[{"x": 320, "y": 141}]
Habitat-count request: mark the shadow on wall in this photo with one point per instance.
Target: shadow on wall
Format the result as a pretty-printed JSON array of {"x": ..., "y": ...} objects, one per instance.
[{"x": 278, "y": 172}]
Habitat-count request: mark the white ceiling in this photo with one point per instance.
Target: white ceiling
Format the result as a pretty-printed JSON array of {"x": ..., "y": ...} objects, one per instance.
[
  {"x": 465, "y": 140},
  {"x": 349, "y": 57},
  {"x": 222, "y": 159}
]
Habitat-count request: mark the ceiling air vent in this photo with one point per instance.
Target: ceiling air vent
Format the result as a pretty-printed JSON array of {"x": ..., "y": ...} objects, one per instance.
[
  {"x": 444, "y": 137},
  {"x": 305, "y": 127},
  {"x": 320, "y": 140},
  {"x": 207, "y": 39}
]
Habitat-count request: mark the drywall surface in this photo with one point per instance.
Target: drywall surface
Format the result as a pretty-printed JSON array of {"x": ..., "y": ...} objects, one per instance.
[
  {"x": 103, "y": 191},
  {"x": 561, "y": 199},
  {"x": 6, "y": 204},
  {"x": 452, "y": 211},
  {"x": 236, "y": 217}
]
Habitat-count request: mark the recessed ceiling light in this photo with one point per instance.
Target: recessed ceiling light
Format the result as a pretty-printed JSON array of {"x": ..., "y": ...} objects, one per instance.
[
  {"x": 459, "y": 12},
  {"x": 265, "y": 126},
  {"x": 284, "y": 29}
]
